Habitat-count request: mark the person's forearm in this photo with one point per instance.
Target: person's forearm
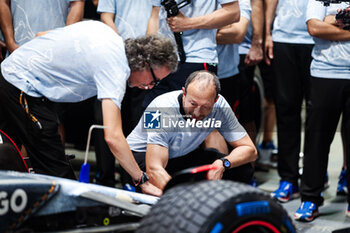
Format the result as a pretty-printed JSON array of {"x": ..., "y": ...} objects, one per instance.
[
  {"x": 76, "y": 12},
  {"x": 115, "y": 138},
  {"x": 326, "y": 31},
  {"x": 6, "y": 25},
  {"x": 2, "y": 50},
  {"x": 108, "y": 18},
  {"x": 228, "y": 14},
  {"x": 270, "y": 10},
  {"x": 121, "y": 150},
  {"x": 157, "y": 176},
  {"x": 257, "y": 19},
  {"x": 153, "y": 22},
  {"x": 242, "y": 155},
  {"x": 233, "y": 33},
  {"x": 156, "y": 161}
]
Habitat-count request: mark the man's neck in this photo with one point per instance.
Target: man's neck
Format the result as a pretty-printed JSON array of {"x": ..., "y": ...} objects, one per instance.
[{"x": 181, "y": 107}]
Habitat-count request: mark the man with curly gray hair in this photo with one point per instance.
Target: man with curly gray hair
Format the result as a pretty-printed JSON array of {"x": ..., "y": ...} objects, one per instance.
[
  {"x": 147, "y": 54},
  {"x": 72, "y": 64}
]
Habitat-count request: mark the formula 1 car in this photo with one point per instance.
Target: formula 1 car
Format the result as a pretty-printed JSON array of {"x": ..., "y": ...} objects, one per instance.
[{"x": 40, "y": 203}]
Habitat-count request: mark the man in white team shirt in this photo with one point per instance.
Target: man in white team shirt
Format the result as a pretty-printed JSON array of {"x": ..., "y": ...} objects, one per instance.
[
  {"x": 71, "y": 64},
  {"x": 330, "y": 97},
  {"x": 174, "y": 125}
]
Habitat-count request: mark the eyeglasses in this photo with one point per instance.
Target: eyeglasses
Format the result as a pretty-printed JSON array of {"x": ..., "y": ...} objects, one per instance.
[{"x": 155, "y": 81}]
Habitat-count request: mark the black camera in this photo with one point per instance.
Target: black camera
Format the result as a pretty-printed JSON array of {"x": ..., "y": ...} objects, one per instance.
[
  {"x": 328, "y": 2},
  {"x": 344, "y": 16},
  {"x": 172, "y": 9}
]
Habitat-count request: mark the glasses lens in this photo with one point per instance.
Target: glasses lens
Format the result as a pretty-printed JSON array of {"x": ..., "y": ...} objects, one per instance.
[{"x": 155, "y": 80}]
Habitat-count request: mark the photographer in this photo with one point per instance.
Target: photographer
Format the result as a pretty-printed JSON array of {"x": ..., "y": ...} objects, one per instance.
[
  {"x": 198, "y": 22},
  {"x": 330, "y": 97}
]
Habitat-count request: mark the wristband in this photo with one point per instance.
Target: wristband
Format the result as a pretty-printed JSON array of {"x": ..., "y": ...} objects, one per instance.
[{"x": 143, "y": 179}]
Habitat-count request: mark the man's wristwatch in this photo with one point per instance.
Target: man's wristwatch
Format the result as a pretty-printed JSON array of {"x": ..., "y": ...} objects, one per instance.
[
  {"x": 143, "y": 179},
  {"x": 226, "y": 163}
]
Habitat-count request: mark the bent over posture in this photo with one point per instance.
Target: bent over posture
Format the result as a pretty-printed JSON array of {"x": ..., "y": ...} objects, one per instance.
[
  {"x": 168, "y": 136},
  {"x": 72, "y": 64}
]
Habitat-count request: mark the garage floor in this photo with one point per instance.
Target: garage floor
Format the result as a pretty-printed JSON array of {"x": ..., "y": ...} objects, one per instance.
[{"x": 332, "y": 213}]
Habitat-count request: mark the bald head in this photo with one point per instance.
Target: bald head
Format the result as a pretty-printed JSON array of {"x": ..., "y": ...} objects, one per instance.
[
  {"x": 200, "y": 94},
  {"x": 204, "y": 81}
]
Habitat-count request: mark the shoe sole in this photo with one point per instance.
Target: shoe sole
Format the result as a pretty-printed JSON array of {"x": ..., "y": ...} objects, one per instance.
[
  {"x": 343, "y": 192},
  {"x": 286, "y": 199},
  {"x": 307, "y": 219}
]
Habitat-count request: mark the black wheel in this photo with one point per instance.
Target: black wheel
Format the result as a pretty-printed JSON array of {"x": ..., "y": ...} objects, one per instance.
[
  {"x": 258, "y": 93},
  {"x": 10, "y": 156},
  {"x": 216, "y": 207}
]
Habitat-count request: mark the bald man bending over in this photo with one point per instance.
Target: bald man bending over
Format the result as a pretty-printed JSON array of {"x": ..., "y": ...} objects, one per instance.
[{"x": 169, "y": 135}]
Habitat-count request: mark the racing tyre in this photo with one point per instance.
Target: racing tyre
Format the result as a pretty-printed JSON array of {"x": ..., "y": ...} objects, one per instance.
[
  {"x": 258, "y": 95},
  {"x": 216, "y": 207}
]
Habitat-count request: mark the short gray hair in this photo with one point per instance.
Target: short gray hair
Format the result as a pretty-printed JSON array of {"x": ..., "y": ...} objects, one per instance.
[
  {"x": 203, "y": 75},
  {"x": 156, "y": 50}
]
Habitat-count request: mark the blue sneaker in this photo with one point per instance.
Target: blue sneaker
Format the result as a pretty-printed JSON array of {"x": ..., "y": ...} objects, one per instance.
[
  {"x": 308, "y": 211},
  {"x": 342, "y": 188},
  {"x": 285, "y": 192}
]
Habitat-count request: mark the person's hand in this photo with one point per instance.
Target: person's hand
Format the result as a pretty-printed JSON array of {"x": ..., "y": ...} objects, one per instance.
[
  {"x": 2, "y": 50},
  {"x": 268, "y": 49},
  {"x": 345, "y": 14},
  {"x": 216, "y": 174},
  {"x": 177, "y": 23},
  {"x": 254, "y": 56},
  {"x": 148, "y": 188},
  {"x": 12, "y": 47}
]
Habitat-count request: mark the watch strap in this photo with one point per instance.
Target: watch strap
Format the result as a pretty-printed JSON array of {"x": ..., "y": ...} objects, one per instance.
[
  {"x": 143, "y": 179},
  {"x": 226, "y": 163}
]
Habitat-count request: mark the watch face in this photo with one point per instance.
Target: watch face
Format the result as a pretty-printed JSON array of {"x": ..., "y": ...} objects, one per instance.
[{"x": 227, "y": 163}]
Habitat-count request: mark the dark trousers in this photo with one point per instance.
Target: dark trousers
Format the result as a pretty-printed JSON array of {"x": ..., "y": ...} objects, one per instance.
[
  {"x": 198, "y": 157},
  {"x": 291, "y": 86},
  {"x": 329, "y": 99},
  {"x": 176, "y": 81},
  {"x": 105, "y": 160},
  {"x": 230, "y": 91},
  {"x": 44, "y": 145},
  {"x": 247, "y": 102}
]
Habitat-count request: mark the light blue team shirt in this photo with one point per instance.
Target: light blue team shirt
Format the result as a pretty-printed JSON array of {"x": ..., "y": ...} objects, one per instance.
[
  {"x": 71, "y": 64},
  {"x": 228, "y": 54},
  {"x": 244, "y": 47},
  {"x": 181, "y": 141},
  {"x": 331, "y": 59},
  {"x": 199, "y": 44},
  {"x": 33, "y": 16},
  {"x": 246, "y": 44},
  {"x": 131, "y": 16},
  {"x": 289, "y": 25}
]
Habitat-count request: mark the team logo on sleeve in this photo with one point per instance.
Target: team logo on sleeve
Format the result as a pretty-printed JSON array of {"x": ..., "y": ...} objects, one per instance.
[{"x": 152, "y": 120}]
